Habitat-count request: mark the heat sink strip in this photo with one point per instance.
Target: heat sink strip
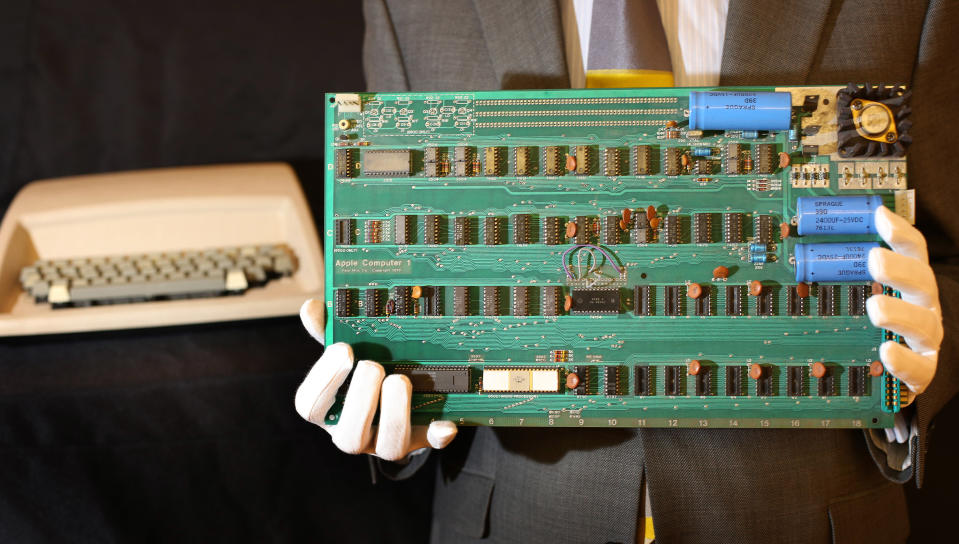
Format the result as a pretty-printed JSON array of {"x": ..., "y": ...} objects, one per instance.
[
  {"x": 550, "y": 101},
  {"x": 536, "y": 113}
]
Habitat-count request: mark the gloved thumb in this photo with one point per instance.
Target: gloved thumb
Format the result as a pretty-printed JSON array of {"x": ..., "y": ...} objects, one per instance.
[{"x": 313, "y": 316}]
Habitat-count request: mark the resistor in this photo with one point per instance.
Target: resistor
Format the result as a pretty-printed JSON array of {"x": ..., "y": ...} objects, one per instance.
[
  {"x": 748, "y": 163},
  {"x": 702, "y": 151}
]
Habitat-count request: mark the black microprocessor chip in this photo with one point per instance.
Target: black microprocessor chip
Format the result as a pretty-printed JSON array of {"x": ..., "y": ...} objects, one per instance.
[
  {"x": 437, "y": 379},
  {"x": 595, "y": 301}
]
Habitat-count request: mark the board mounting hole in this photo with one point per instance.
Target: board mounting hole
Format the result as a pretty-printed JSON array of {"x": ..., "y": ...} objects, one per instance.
[
  {"x": 332, "y": 99},
  {"x": 875, "y": 420},
  {"x": 643, "y": 275},
  {"x": 825, "y": 101}
]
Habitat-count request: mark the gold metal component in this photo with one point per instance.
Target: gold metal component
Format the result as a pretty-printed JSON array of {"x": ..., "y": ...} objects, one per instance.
[
  {"x": 874, "y": 121},
  {"x": 346, "y": 124}
]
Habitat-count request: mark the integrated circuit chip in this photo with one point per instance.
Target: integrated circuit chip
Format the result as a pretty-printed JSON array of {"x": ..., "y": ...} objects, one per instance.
[
  {"x": 436, "y": 378},
  {"x": 595, "y": 301},
  {"x": 520, "y": 380},
  {"x": 389, "y": 163}
]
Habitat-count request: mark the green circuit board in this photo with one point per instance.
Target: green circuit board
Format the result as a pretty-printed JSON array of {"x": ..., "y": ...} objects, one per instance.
[{"x": 590, "y": 258}]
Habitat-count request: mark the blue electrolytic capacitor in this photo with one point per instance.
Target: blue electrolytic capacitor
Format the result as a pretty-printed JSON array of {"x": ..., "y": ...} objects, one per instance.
[
  {"x": 842, "y": 261},
  {"x": 702, "y": 151},
  {"x": 837, "y": 214},
  {"x": 739, "y": 110}
]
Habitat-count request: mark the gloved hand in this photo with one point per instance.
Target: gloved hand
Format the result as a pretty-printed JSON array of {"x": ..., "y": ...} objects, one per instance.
[
  {"x": 394, "y": 437},
  {"x": 917, "y": 316}
]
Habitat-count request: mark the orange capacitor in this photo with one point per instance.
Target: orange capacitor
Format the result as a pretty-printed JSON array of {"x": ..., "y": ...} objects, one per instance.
[
  {"x": 650, "y": 212},
  {"x": 654, "y": 222},
  {"x": 784, "y": 230},
  {"x": 570, "y": 162},
  {"x": 623, "y": 224},
  {"x": 721, "y": 272},
  {"x": 755, "y": 371},
  {"x": 570, "y": 229},
  {"x": 416, "y": 292},
  {"x": 684, "y": 159},
  {"x": 671, "y": 124},
  {"x": 876, "y": 368},
  {"x": 694, "y": 367},
  {"x": 783, "y": 159},
  {"x": 567, "y": 303},
  {"x": 802, "y": 289},
  {"x": 755, "y": 288},
  {"x": 694, "y": 290},
  {"x": 818, "y": 370},
  {"x": 876, "y": 288},
  {"x": 572, "y": 380},
  {"x": 627, "y": 215}
]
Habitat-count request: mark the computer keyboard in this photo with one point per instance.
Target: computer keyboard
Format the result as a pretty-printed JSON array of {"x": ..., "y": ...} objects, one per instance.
[
  {"x": 157, "y": 276},
  {"x": 150, "y": 248}
]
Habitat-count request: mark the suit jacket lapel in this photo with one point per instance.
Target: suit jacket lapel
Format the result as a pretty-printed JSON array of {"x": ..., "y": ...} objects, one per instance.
[
  {"x": 524, "y": 42},
  {"x": 772, "y": 42}
]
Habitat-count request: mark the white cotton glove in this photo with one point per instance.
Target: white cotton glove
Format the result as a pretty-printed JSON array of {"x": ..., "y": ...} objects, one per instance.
[
  {"x": 394, "y": 438},
  {"x": 917, "y": 316}
]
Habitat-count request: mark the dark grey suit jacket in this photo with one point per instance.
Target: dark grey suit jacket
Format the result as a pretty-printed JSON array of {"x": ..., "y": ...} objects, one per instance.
[{"x": 555, "y": 485}]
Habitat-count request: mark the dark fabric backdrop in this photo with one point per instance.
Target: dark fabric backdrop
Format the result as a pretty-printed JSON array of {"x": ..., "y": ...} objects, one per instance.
[
  {"x": 189, "y": 433},
  {"x": 184, "y": 433}
]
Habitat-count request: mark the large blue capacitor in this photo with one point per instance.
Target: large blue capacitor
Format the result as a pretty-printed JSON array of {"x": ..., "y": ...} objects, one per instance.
[
  {"x": 739, "y": 110},
  {"x": 837, "y": 214},
  {"x": 843, "y": 261}
]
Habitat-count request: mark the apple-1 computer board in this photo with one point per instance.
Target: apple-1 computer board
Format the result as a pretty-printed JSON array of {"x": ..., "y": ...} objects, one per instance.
[{"x": 674, "y": 257}]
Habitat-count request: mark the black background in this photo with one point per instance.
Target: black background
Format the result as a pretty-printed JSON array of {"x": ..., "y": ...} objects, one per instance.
[{"x": 189, "y": 433}]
